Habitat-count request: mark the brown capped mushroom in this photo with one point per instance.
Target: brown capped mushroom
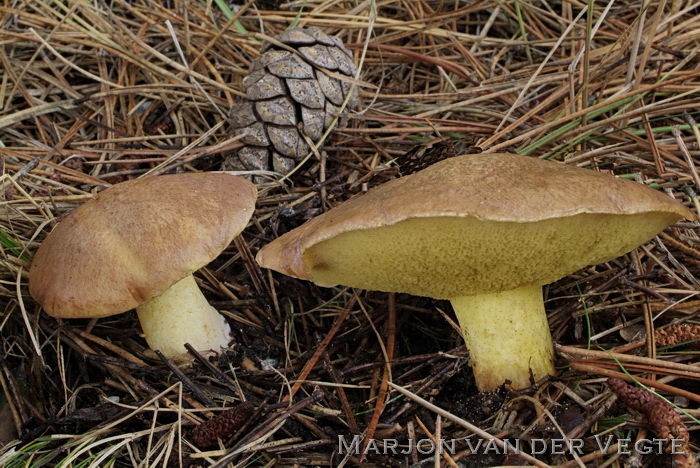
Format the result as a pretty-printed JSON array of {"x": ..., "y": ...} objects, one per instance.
[
  {"x": 136, "y": 245},
  {"x": 486, "y": 232}
]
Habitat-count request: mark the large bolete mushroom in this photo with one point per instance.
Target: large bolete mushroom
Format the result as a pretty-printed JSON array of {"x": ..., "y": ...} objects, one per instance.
[
  {"x": 136, "y": 245},
  {"x": 486, "y": 232}
]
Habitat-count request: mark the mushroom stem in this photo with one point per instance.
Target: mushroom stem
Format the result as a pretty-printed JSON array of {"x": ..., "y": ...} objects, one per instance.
[
  {"x": 507, "y": 336},
  {"x": 182, "y": 315}
]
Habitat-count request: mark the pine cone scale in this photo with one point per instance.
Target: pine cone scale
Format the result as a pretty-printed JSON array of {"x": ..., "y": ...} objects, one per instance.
[
  {"x": 313, "y": 122},
  {"x": 256, "y": 135},
  {"x": 243, "y": 114},
  {"x": 308, "y": 93},
  {"x": 278, "y": 111},
  {"x": 292, "y": 67},
  {"x": 320, "y": 56},
  {"x": 254, "y": 157},
  {"x": 267, "y": 87},
  {"x": 286, "y": 140},
  {"x": 331, "y": 88},
  {"x": 297, "y": 36}
]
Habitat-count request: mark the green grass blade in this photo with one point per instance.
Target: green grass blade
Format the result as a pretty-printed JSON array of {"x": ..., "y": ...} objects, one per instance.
[
  {"x": 13, "y": 246},
  {"x": 229, "y": 14},
  {"x": 296, "y": 19}
]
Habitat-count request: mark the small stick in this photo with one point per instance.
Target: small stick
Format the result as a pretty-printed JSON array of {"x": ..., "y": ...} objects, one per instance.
[
  {"x": 121, "y": 352},
  {"x": 453, "y": 353},
  {"x": 658, "y": 162},
  {"x": 676, "y": 131},
  {"x": 381, "y": 395},
  {"x": 342, "y": 396},
  {"x": 12, "y": 397},
  {"x": 622, "y": 376},
  {"x": 436, "y": 440},
  {"x": 115, "y": 361},
  {"x": 223, "y": 378},
  {"x": 465, "y": 424},
  {"x": 252, "y": 267},
  {"x": 639, "y": 368},
  {"x": 627, "y": 358},
  {"x": 201, "y": 396},
  {"x": 613, "y": 448},
  {"x": 321, "y": 349},
  {"x": 693, "y": 126}
]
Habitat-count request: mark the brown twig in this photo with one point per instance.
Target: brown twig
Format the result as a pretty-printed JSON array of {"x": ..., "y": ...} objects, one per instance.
[
  {"x": 386, "y": 375},
  {"x": 649, "y": 383},
  {"x": 321, "y": 348},
  {"x": 186, "y": 381}
]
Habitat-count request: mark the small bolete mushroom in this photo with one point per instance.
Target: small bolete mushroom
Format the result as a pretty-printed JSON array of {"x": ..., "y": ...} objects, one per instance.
[
  {"x": 136, "y": 245},
  {"x": 486, "y": 232}
]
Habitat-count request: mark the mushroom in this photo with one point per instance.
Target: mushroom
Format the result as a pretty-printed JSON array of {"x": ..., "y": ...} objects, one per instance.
[
  {"x": 485, "y": 232},
  {"x": 136, "y": 245}
]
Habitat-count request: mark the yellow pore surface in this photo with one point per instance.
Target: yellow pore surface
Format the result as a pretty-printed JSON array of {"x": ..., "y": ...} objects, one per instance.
[{"x": 447, "y": 257}]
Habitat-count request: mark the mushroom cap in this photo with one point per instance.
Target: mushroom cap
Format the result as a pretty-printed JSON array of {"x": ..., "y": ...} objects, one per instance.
[
  {"x": 474, "y": 224},
  {"x": 134, "y": 240}
]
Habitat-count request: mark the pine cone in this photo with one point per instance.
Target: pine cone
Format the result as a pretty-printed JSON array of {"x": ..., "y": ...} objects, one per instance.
[
  {"x": 222, "y": 425},
  {"x": 288, "y": 96},
  {"x": 664, "y": 420},
  {"x": 679, "y": 333}
]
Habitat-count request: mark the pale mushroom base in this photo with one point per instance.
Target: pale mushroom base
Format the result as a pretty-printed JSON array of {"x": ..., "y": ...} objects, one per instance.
[
  {"x": 182, "y": 315},
  {"x": 504, "y": 345}
]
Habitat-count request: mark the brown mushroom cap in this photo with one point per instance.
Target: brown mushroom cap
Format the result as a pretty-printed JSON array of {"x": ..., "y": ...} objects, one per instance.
[
  {"x": 134, "y": 240},
  {"x": 474, "y": 224}
]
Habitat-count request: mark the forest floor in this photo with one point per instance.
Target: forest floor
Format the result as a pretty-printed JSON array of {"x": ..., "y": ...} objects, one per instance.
[{"x": 96, "y": 93}]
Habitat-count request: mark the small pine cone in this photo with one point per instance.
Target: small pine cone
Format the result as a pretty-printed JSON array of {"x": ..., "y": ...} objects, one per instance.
[
  {"x": 664, "y": 420},
  {"x": 679, "y": 333},
  {"x": 288, "y": 96},
  {"x": 222, "y": 425}
]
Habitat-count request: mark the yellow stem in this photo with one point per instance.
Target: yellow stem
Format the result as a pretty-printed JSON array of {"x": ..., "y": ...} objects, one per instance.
[
  {"x": 507, "y": 336},
  {"x": 182, "y": 315}
]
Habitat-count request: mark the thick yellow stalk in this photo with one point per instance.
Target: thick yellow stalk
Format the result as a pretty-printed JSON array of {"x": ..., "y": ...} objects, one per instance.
[
  {"x": 182, "y": 315},
  {"x": 507, "y": 336}
]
